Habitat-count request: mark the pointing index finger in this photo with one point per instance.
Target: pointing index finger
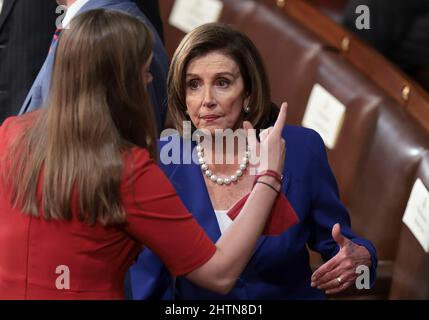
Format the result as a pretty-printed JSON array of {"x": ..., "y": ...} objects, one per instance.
[{"x": 281, "y": 119}]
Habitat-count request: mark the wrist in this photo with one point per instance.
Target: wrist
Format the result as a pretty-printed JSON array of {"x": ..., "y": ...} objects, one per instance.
[
  {"x": 271, "y": 181},
  {"x": 271, "y": 173}
]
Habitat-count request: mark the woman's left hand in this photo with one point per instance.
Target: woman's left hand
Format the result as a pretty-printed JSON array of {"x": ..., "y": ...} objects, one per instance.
[{"x": 339, "y": 273}]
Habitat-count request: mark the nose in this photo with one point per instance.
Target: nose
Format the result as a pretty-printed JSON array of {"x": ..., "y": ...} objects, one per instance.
[{"x": 209, "y": 100}]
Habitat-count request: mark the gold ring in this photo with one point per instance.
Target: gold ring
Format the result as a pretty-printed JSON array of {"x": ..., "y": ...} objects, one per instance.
[{"x": 339, "y": 280}]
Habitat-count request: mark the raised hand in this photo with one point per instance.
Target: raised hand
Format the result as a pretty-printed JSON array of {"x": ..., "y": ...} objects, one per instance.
[{"x": 272, "y": 148}]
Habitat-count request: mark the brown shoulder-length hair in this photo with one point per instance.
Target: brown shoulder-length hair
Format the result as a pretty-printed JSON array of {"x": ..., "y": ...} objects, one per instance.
[
  {"x": 220, "y": 37},
  {"x": 98, "y": 109}
]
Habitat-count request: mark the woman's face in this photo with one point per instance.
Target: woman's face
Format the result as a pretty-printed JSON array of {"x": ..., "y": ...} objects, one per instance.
[{"x": 215, "y": 95}]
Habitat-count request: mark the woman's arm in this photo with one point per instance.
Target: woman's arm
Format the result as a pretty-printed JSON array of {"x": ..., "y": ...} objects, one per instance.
[
  {"x": 236, "y": 245},
  {"x": 158, "y": 219}
]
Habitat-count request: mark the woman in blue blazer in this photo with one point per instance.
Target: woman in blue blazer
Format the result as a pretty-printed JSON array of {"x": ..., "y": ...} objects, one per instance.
[{"x": 217, "y": 81}]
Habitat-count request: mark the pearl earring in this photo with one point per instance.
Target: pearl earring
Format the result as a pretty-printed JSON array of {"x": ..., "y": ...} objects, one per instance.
[{"x": 247, "y": 109}]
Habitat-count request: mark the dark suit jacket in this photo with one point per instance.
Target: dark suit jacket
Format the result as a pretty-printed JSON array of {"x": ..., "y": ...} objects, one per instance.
[
  {"x": 150, "y": 8},
  {"x": 26, "y": 29}
]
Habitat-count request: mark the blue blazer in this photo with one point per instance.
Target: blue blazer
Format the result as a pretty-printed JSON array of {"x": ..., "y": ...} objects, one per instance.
[
  {"x": 38, "y": 94},
  {"x": 279, "y": 267}
]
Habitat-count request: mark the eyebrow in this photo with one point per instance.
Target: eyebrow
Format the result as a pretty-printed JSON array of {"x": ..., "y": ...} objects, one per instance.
[{"x": 217, "y": 74}]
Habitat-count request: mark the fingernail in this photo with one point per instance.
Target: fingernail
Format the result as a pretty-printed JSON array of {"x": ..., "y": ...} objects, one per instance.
[
  {"x": 319, "y": 288},
  {"x": 313, "y": 284}
]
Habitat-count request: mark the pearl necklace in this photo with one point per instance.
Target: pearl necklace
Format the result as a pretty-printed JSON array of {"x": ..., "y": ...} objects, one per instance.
[{"x": 227, "y": 180}]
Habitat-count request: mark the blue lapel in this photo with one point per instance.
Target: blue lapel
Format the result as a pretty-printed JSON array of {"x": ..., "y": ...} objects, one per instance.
[{"x": 196, "y": 200}]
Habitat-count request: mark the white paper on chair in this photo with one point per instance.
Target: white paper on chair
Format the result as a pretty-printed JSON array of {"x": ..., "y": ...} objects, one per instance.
[
  {"x": 186, "y": 15},
  {"x": 325, "y": 114},
  {"x": 416, "y": 216}
]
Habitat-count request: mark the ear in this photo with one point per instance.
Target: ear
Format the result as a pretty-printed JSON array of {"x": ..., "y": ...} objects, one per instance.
[
  {"x": 246, "y": 100},
  {"x": 186, "y": 113}
]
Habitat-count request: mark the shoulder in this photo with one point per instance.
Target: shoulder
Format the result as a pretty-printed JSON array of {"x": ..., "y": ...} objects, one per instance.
[
  {"x": 13, "y": 129},
  {"x": 137, "y": 165},
  {"x": 302, "y": 139},
  {"x": 7, "y": 131},
  {"x": 132, "y": 9},
  {"x": 14, "y": 125},
  {"x": 128, "y": 7},
  {"x": 8, "y": 124},
  {"x": 136, "y": 158}
]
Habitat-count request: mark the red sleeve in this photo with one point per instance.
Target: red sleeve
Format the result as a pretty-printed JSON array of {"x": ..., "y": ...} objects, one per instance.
[
  {"x": 157, "y": 218},
  {"x": 282, "y": 216}
]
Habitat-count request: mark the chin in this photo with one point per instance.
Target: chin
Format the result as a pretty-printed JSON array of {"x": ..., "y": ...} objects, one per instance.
[{"x": 213, "y": 128}]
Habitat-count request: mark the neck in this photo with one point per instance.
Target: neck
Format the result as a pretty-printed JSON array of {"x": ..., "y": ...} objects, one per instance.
[{"x": 223, "y": 158}]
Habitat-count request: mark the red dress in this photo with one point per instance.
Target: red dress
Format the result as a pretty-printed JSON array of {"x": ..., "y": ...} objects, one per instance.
[{"x": 96, "y": 257}]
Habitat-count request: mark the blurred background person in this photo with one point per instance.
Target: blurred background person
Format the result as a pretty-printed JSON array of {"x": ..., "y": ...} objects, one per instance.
[
  {"x": 26, "y": 29},
  {"x": 399, "y": 30},
  {"x": 150, "y": 8},
  {"x": 40, "y": 89}
]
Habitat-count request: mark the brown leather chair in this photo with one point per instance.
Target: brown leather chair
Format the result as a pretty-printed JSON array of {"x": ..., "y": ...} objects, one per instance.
[
  {"x": 382, "y": 190},
  {"x": 397, "y": 85},
  {"x": 410, "y": 275},
  {"x": 381, "y": 193},
  {"x": 334, "y": 9},
  {"x": 361, "y": 99}
]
